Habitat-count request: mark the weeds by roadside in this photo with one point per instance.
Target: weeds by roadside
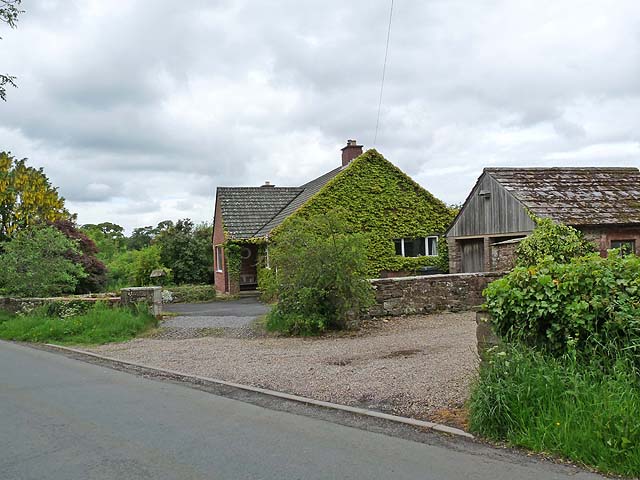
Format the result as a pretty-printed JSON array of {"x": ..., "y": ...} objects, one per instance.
[
  {"x": 582, "y": 409},
  {"x": 98, "y": 325}
]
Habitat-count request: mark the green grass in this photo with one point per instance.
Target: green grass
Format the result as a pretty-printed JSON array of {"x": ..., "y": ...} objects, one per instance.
[
  {"x": 100, "y": 324},
  {"x": 585, "y": 411}
]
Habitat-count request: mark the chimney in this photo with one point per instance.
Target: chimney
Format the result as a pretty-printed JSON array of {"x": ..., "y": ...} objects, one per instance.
[
  {"x": 267, "y": 184},
  {"x": 351, "y": 151}
]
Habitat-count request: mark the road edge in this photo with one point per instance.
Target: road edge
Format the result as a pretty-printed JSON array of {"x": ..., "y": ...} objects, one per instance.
[{"x": 273, "y": 393}]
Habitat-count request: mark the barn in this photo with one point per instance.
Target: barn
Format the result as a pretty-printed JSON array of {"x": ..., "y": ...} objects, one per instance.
[{"x": 603, "y": 203}]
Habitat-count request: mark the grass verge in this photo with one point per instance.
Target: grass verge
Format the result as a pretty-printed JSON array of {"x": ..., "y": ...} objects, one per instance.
[
  {"x": 100, "y": 324},
  {"x": 584, "y": 411}
]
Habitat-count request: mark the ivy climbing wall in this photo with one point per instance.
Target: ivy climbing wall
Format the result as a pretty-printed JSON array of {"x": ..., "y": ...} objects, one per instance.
[{"x": 385, "y": 204}]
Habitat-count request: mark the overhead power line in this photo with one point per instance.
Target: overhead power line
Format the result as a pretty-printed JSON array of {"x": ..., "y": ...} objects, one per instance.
[{"x": 384, "y": 70}]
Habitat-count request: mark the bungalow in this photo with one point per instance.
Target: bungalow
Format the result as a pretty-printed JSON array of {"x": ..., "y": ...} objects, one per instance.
[
  {"x": 603, "y": 203},
  {"x": 403, "y": 222}
]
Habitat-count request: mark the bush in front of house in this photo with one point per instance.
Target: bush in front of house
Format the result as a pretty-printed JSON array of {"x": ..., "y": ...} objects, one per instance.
[
  {"x": 189, "y": 293},
  {"x": 551, "y": 239},
  {"x": 593, "y": 301},
  {"x": 319, "y": 267},
  {"x": 96, "y": 325}
]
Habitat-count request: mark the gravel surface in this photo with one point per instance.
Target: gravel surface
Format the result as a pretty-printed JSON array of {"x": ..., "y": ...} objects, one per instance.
[{"x": 418, "y": 366}]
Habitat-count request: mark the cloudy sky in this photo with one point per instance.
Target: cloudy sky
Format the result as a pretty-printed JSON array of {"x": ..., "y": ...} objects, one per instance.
[{"x": 137, "y": 110}]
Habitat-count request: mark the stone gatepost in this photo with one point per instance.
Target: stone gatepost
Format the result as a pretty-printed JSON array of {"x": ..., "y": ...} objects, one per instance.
[
  {"x": 485, "y": 335},
  {"x": 152, "y": 296}
]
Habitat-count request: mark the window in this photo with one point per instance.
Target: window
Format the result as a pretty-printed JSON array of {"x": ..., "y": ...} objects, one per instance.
[
  {"x": 626, "y": 246},
  {"x": 416, "y": 247},
  {"x": 219, "y": 259}
]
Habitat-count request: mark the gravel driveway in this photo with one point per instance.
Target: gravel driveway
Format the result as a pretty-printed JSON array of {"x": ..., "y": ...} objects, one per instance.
[
  {"x": 418, "y": 366},
  {"x": 198, "y": 319}
]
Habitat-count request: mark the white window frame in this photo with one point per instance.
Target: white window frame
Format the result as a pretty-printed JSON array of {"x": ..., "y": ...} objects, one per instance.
[
  {"x": 219, "y": 258},
  {"x": 426, "y": 247}
]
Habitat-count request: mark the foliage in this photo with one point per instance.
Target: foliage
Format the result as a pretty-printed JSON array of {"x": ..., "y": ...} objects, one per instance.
[
  {"x": 99, "y": 324},
  {"x": 556, "y": 240},
  {"x": 267, "y": 284},
  {"x": 36, "y": 263},
  {"x": 232, "y": 259},
  {"x": 321, "y": 275},
  {"x": 186, "y": 250},
  {"x": 383, "y": 204},
  {"x": 108, "y": 237},
  {"x": 85, "y": 256},
  {"x": 27, "y": 197},
  {"x": 192, "y": 293},
  {"x": 561, "y": 405},
  {"x": 133, "y": 267},
  {"x": 9, "y": 13},
  {"x": 592, "y": 300}
]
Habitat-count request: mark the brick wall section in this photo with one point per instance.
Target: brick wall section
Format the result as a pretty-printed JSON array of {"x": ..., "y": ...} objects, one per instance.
[
  {"x": 603, "y": 235},
  {"x": 219, "y": 278},
  {"x": 431, "y": 293}
]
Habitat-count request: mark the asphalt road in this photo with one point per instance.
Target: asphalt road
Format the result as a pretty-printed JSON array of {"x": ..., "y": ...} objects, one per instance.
[{"x": 65, "y": 419}]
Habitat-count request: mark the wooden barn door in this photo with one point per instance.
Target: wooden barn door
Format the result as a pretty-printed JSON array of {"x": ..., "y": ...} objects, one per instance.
[{"x": 472, "y": 252}]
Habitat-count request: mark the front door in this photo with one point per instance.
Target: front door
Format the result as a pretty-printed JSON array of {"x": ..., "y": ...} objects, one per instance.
[
  {"x": 249, "y": 267},
  {"x": 472, "y": 252}
]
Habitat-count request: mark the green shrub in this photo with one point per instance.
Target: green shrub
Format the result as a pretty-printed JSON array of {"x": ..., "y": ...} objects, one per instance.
[
  {"x": 35, "y": 264},
  {"x": 267, "y": 284},
  {"x": 561, "y": 405},
  {"x": 592, "y": 300},
  {"x": 99, "y": 324},
  {"x": 551, "y": 239},
  {"x": 192, "y": 293},
  {"x": 320, "y": 273}
]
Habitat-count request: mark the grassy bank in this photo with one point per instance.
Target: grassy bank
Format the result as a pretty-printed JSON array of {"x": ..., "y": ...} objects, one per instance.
[
  {"x": 191, "y": 293},
  {"x": 100, "y": 324},
  {"x": 582, "y": 410}
]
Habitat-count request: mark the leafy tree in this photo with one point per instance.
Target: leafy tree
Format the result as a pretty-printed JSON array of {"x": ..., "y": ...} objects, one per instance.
[
  {"x": 9, "y": 12},
  {"x": 133, "y": 267},
  {"x": 186, "y": 250},
  {"x": 141, "y": 238},
  {"x": 555, "y": 240},
  {"x": 108, "y": 237},
  {"x": 321, "y": 274},
  {"x": 36, "y": 263},
  {"x": 27, "y": 197},
  {"x": 85, "y": 256}
]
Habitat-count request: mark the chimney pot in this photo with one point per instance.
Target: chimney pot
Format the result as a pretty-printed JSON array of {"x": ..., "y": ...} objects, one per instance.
[
  {"x": 267, "y": 184},
  {"x": 351, "y": 151}
]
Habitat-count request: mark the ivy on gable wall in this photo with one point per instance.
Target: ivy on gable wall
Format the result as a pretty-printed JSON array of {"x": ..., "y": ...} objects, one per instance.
[{"x": 384, "y": 204}]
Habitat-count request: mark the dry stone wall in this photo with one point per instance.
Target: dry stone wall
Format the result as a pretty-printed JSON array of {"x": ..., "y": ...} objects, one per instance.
[{"x": 429, "y": 294}]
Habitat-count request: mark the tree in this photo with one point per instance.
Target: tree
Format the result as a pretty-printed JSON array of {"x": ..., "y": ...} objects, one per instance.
[
  {"x": 321, "y": 267},
  {"x": 27, "y": 197},
  {"x": 36, "y": 263},
  {"x": 551, "y": 239},
  {"x": 9, "y": 14},
  {"x": 108, "y": 237},
  {"x": 186, "y": 250},
  {"x": 85, "y": 256}
]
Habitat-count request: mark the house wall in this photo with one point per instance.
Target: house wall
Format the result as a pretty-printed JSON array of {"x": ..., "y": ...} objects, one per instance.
[
  {"x": 219, "y": 278},
  {"x": 602, "y": 235},
  {"x": 428, "y": 294},
  {"x": 489, "y": 263}
]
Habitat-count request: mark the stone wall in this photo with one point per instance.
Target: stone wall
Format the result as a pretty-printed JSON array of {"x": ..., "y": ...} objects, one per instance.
[
  {"x": 430, "y": 293},
  {"x": 503, "y": 255},
  {"x": 16, "y": 305},
  {"x": 152, "y": 296}
]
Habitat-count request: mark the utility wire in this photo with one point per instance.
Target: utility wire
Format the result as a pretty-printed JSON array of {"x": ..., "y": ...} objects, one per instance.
[{"x": 384, "y": 69}]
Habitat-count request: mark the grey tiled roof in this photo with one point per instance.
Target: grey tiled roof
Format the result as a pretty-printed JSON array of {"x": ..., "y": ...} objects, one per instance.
[
  {"x": 245, "y": 210},
  {"x": 254, "y": 211},
  {"x": 575, "y": 196},
  {"x": 308, "y": 190}
]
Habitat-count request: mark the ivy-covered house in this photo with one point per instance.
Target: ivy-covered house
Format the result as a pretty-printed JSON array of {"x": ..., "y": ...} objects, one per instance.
[{"x": 402, "y": 221}]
